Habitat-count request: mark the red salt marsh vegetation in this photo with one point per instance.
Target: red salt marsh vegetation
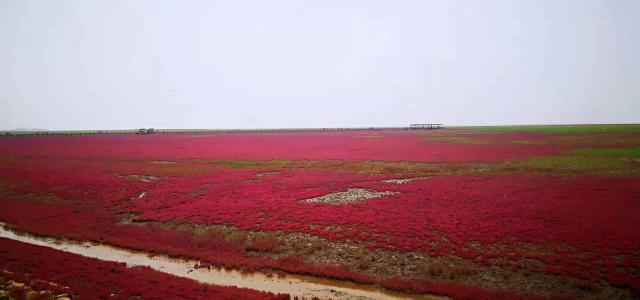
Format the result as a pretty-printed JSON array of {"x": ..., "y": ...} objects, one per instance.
[
  {"x": 35, "y": 272},
  {"x": 470, "y": 213}
]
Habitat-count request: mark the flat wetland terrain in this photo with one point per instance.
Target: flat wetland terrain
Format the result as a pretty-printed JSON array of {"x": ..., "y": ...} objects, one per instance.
[{"x": 513, "y": 212}]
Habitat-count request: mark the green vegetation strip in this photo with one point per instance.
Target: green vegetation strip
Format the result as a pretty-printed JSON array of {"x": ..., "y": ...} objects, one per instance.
[
  {"x": 572, "y": 162},
  {"x": 10, "y": 159},
  {"x": 619, "y": 152},
  {"x": 9, "y": 191},
  {"x": 562, "y": 128}
]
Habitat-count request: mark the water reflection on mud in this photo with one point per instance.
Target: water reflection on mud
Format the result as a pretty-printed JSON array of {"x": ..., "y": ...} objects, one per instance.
[{"x": 295, "y": 285}]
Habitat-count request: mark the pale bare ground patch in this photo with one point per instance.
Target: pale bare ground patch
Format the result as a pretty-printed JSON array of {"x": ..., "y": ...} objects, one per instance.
[
  {"x": 351, "y": 195},
  {"x": 144, "y": 178},
  {"x": 267, "y": 173},
  {"x": 402, "y": 180}
]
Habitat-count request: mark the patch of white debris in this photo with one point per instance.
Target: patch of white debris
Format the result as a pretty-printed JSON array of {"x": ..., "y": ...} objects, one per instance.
[
  {"x": 142, "y": 195},
  {"x": 402, "y": 180},
  {"x": 351, "y": 195},
  {"x": 267, "y": 173},
  {"x": 144, "y": 178}
]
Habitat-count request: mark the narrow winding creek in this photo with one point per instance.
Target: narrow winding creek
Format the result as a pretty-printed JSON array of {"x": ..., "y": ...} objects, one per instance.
[{"x": 294, "y": 285}]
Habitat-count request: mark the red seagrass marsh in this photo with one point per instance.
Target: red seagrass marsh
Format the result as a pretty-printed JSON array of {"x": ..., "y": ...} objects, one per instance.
[
  {"x": 468, "y": 213},
  {"x": 319, "y": 150}
]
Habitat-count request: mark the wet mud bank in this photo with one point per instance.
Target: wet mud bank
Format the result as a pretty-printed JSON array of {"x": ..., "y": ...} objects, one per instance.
[{"x": 294, "y": 285}]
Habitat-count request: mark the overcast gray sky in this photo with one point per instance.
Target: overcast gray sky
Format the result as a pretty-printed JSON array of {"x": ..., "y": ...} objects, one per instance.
[{"x": 256, "y": 64}]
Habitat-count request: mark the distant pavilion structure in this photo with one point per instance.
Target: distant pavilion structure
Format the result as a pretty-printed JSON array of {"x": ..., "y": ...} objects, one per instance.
[{"x": 426, "y": 126}]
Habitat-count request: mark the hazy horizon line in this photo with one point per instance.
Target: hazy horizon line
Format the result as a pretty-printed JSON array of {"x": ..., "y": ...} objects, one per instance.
[{"x": 302, "y": 128}]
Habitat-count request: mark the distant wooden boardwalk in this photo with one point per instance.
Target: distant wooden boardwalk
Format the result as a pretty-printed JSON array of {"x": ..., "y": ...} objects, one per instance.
[
  {"x": 202, "y": 131},
  {"x": 426, "y": 126}
]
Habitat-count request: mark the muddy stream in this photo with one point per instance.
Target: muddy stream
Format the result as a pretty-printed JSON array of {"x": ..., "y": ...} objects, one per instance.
[{"x": 302, "y": 286}]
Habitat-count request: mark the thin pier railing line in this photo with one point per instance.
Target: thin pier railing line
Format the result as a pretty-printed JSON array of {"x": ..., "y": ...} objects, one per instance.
[{"x": 197, "y": 131}]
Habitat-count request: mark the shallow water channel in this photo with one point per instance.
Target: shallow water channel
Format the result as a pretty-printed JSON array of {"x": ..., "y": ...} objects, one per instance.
[{"x": 295, "y": 285}]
